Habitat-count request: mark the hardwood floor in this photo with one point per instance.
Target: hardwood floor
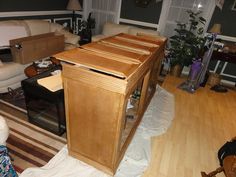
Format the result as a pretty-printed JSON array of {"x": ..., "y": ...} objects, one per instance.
[{"x": 203, "y": 122}]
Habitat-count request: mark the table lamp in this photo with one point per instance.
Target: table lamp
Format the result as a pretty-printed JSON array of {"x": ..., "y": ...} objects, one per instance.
[
  {"x": 73, "y": 5},
  {"x": 216, "y": 29}
]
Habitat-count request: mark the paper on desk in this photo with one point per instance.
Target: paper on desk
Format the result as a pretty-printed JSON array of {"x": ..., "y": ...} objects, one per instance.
[{"x": 52, "y": 83}]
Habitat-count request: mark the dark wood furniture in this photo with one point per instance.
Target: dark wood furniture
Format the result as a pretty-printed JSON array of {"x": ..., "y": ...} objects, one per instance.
[
  {"x": 44, "y": 107},
  {"x": 107, "y": 76},
  {"x": 33, "y": 70}
]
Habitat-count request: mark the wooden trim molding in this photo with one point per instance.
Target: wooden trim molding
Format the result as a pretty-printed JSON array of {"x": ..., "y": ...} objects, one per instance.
[
  {"x": 36, "y": 13},
  {"x": 140, "y": 23},
  {"x": 227, "y": 38}
]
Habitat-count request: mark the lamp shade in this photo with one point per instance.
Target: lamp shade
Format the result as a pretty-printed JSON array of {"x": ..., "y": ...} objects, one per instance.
[
  {"x": 216, "y": 29},
  {"x": 73, "y": 5}
]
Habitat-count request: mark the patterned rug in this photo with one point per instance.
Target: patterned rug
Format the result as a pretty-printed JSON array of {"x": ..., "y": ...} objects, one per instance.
[{"x": 29, "y": 145}]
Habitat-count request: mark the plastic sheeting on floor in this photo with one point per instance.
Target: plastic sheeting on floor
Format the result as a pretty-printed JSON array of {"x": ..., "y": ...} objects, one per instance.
[{"x": 156, "y": 121}]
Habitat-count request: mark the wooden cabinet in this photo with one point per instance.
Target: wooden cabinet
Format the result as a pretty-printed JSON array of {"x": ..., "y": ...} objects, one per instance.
[
  {"x": 28, "y": 49},
  {"x": 108, "y": 85}
]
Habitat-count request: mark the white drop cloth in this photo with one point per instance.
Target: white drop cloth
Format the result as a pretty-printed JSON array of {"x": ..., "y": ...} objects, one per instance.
[{"x": 156, "y": 121}]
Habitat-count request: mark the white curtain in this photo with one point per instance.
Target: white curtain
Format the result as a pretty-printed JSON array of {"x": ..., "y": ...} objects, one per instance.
[
  {"x": 175, "y": 10},
  {"x": 163, "y": 17},
  {"x": 104, "y": 11},
  {"x": 220, "y": 3}
]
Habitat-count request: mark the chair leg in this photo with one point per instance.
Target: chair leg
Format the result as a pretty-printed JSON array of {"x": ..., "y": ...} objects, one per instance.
[
  {"x": 213, "y": 173},
  {"x": 204, "y": 174}
]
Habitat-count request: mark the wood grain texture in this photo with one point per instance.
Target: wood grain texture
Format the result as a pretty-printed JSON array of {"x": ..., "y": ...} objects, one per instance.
[
  {"x": 128, "y": 45},
  {"x": 87, "y": 127},
  {"x": 36, "y": 47},
  {"x": 96, "y": 62},
  {"x": 86, "y": 76},
  {"x": 96, "y": 101},
  {"x": 203, "y": 122},
  {"x": 136, "y": 41},
  {"x": 146, "y": 39},
  {"x": 116, "y": 53}
]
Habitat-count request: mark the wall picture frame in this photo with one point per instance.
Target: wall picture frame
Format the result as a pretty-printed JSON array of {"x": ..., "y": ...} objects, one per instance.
[{"x": 234, "y": 6}]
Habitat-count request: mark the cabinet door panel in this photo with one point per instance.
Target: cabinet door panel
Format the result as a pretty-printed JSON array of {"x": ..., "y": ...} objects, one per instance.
[{"x": 93, "y": 120}]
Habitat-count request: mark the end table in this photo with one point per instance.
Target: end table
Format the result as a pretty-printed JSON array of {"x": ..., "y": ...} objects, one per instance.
[
  {"x": 44, "y": 108},
  {"x": 32, "y": 70}
]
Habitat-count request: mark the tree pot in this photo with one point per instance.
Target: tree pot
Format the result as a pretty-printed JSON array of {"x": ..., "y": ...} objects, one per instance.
[
  {"x": 176, "y": 70},
  {"x": 214, "y": 79}
]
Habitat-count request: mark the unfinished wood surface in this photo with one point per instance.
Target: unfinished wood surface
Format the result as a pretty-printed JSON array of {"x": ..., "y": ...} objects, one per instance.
[
  {"x": 135, "y": 41},
  {"x": 96, "y": 102},
  {"x": 115, "y": 53},
  {"x": 36, "y": 47},
  {"x": 128, "y": 45},
  {"x": 88, "y": 76},
  {"x": 89, "y": 133},
  {"x": 203, "y": 122},
  {"x": 99, "y": 63},
  {"x": 150, "y": 39}
]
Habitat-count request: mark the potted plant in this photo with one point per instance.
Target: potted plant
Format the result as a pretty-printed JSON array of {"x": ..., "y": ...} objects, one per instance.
[
  {"x": 85, "y": 29},
  {"x": 186, "y": 44}
]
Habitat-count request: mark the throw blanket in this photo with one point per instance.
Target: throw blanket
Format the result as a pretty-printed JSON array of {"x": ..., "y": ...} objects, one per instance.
[{"x": 6, "y": 168}]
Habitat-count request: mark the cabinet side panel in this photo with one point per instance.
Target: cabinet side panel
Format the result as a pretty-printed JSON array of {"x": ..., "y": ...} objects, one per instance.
[{"x": 93, "y": 118}]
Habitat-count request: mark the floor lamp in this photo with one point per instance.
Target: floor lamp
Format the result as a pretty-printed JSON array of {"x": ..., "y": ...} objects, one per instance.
[{"x": 73, "y": 5}]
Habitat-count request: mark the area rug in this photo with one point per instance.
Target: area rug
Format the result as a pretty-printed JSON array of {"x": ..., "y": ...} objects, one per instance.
[
  {"x": 156, "y": 121},
  {"x": 14, "y": 97},
  {"x": 29, "y": 145}
]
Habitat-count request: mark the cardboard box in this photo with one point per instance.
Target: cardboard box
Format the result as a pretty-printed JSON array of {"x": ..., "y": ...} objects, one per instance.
[{"x": 28, "y": 49}]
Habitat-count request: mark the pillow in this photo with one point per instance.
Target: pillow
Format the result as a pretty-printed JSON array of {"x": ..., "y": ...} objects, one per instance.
[
  {"x": 38, "y": 26},
  {"x": 152, "y": 36},
  {"x": 111, "y": 29},
  {"x": 69, "y": 37},
  {"x": 135, "y": 31},
  {"x": 55, "y": 26},
  {"x": 11, "y": 32}
]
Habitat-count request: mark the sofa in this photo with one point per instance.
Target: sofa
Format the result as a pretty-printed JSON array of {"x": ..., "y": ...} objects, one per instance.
[
  {"x": 12, "y": 73},
  {"x": 110, "y": 29}
]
